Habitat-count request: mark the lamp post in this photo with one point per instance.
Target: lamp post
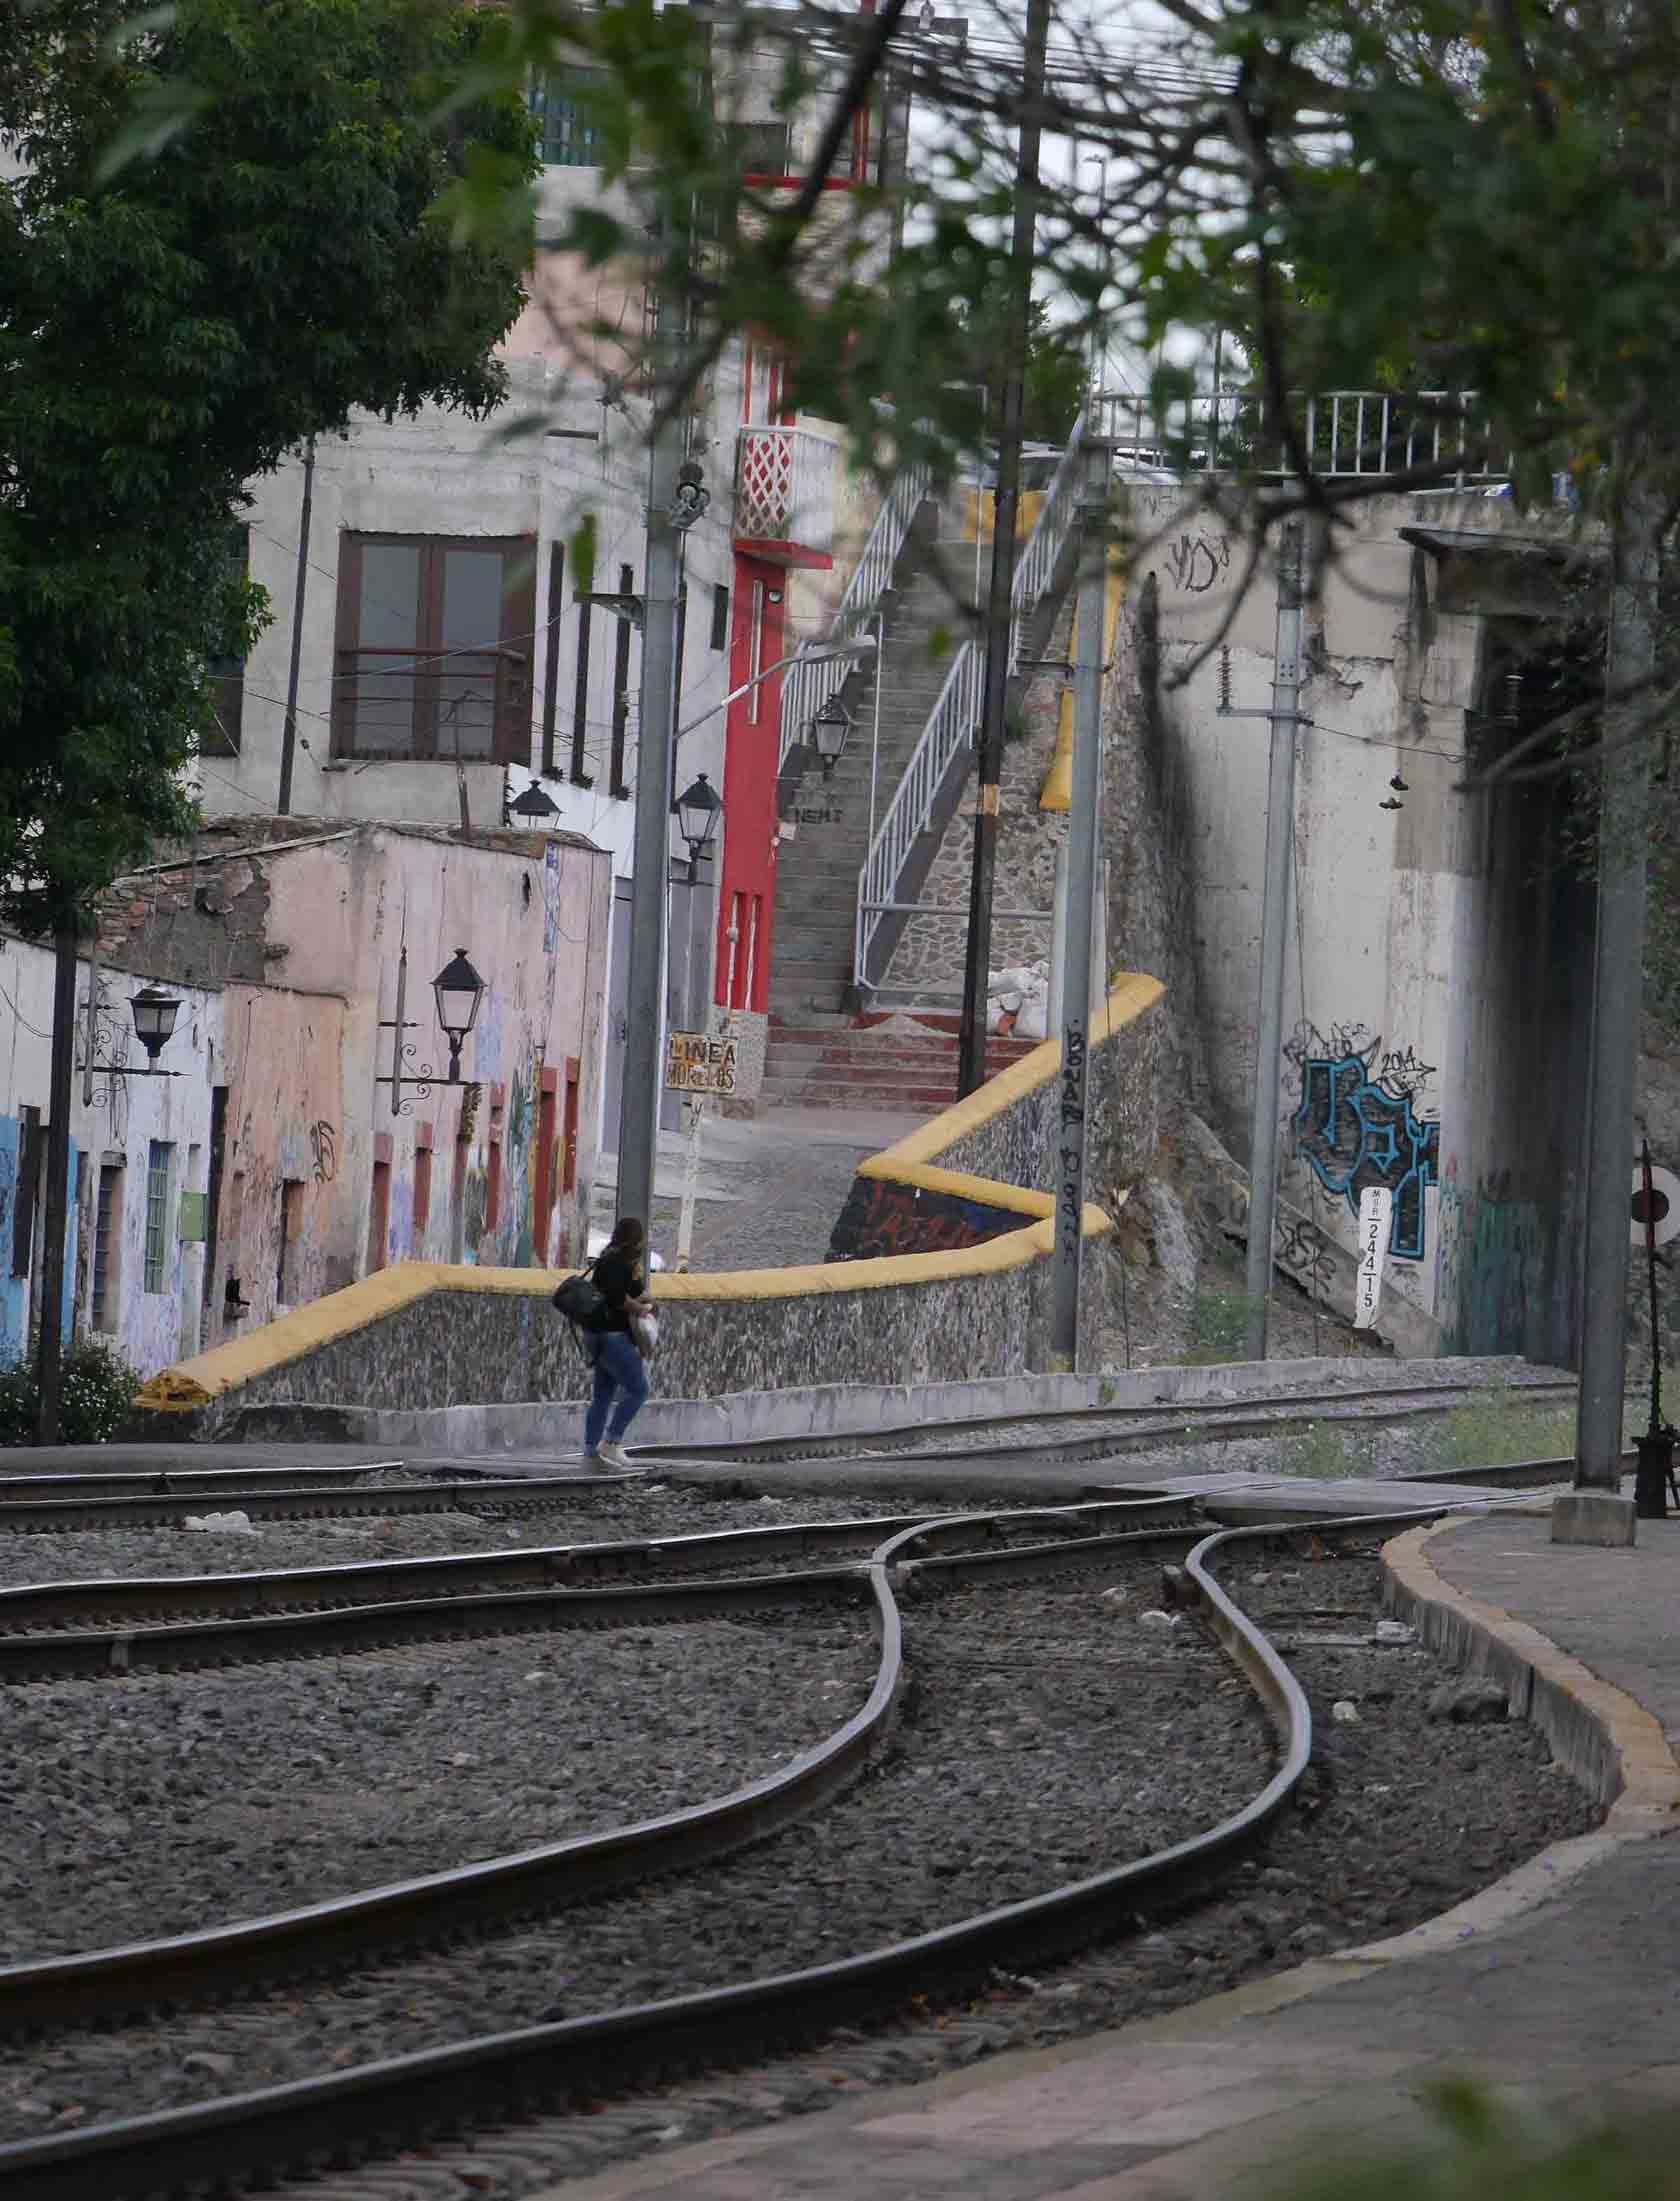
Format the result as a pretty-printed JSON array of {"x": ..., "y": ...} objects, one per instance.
[
  {"x": 829, "y": 730},
  {"x": 698, "y": 809},
  {"x": 458, "y": 990},
  {"x": 530, "y": 807}
]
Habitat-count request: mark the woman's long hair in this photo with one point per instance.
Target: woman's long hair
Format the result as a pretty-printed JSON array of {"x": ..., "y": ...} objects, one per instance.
[{"x": 629, "y": 1234}]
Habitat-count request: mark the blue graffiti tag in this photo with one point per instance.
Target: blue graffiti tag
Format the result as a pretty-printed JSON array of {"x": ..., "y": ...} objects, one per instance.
[{"x": 1355, "y": 1133}]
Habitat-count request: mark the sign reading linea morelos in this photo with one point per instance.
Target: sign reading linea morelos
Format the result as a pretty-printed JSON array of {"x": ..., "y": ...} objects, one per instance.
[
  {"x": 697, "y": 1063},
  {"x": 1376, "y": 1207}
]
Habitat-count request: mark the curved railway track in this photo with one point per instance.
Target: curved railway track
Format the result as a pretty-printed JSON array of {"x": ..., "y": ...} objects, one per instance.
[{"x": 357, "y": 2111}]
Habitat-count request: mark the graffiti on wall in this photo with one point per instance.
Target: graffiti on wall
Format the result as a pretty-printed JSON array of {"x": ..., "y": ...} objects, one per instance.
[
  {"x": 1198, "y": 559},
  {"x": 1357, "y": 1123},
  {"x": 883, "y": 1218},
  {"x": 323, "y": 1145}
]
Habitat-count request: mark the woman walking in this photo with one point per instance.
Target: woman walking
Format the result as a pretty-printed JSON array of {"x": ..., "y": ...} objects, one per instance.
[{"x": 621, "y": 1382}]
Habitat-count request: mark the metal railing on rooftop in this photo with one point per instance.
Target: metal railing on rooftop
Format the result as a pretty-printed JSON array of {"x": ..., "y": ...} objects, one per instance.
[{"x": 1343, "y": 433}]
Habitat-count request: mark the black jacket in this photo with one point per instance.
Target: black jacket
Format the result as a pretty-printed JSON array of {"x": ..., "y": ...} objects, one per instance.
[{"x": 617, "y": 1280}]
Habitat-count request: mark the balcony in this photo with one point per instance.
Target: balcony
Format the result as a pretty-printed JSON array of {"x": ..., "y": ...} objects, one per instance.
[{"x": 784, "y": 496}]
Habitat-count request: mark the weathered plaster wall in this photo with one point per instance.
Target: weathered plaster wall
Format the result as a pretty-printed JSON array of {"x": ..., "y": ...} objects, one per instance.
[
  {"x": 115, "y": 1129},
  {"x": 1438, "y": 949}
]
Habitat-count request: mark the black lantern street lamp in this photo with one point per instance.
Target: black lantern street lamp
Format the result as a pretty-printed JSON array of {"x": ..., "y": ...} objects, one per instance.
[
  {"x": 459, "y": 990},
  {"x": 829, "y": 730},
  {"x": 698, "y": 810},
  {"x": 535, "y": 804},
  {"x": 154, "y": 1014}
]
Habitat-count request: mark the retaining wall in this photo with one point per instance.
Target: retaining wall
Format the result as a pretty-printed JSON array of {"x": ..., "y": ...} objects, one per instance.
[{"x": 424, "y": 1335}]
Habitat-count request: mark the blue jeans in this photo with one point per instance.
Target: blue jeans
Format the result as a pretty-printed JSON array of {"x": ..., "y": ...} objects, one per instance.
[{"x": 618, "y": 1368}]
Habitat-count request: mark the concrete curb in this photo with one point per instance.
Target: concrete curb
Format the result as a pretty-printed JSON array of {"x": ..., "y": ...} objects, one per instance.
[{"x": 1604, "y": 1737}]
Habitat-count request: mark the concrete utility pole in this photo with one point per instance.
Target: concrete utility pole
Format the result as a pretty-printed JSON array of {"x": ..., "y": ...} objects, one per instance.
[
  {"x": 971, "y": 1044},
  {"x": 638, "y": 1120},
  {"x": 1274, "y": 931},
  {"x": 1079, "y": 907},
  {"x": 49, "y": 1361},
  {"x": 288, "y": 737},
  {"x": 1594, "y": 1512}
]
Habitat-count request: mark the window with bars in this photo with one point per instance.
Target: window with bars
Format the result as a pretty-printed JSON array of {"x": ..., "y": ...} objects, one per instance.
[
  {"x": 758, "y": 148},
  {"x": 561, "y": 100},
  {"x": 107, "y": 1247},
  {"x": 434, "y": 647},
  {"x": 159, "y": 1157}
]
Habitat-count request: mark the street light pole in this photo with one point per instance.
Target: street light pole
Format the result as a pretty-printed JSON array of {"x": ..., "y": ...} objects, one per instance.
[
  {"x": 971, "y": 1045},
  {"x": 1594, "y": 1511},
  {"x": 638, "y": 1120},
  {"x": 49, "y": 1363},
  {"x": 1274, "y": 930}
]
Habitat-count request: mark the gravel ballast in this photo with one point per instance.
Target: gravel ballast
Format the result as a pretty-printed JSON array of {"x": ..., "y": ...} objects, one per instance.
[
  {"x": 1051, "y": 1731},
  {"x": 166, "y": 1802},
  {"x": 638, "y": 1510},
  {"x": 1402, "y": 1817}
]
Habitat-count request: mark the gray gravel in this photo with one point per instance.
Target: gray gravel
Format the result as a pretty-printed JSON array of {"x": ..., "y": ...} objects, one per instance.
[
  {"x": 166, "y": 1802},
  {"x": 639, "y": 1510},
  {"x": 1051, "y": 1731},
  {"x": 1401, "y": 1817}
]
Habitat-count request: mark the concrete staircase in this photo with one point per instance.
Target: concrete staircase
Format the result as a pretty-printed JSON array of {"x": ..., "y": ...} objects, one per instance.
[
  {"x": 817, "y": 871},
  {"x": 896, "y": 1062}
]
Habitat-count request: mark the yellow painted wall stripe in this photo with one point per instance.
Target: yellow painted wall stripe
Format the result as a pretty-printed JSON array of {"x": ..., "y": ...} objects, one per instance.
[{"x": 207, "y": 1376}]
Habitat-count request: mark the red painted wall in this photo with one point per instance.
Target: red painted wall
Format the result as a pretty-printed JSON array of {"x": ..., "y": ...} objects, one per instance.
[{"x": 752, "y": 740}]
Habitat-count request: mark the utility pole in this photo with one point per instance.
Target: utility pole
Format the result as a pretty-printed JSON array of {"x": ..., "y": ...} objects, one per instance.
[
  {"x": 49, "y": 1360},
  {"x": 288, "y": 737},
  {"x": 971, "y": 1047},
  {"x": 1285, "y": 716},
  {"x": 1078, "y": 907},
  {"x": 1594, "y": 1512},
  {"x": 638, "y": 1119}
]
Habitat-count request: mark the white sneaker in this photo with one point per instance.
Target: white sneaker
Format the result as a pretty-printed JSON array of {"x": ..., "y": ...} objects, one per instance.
[{"x": 613, "y": 1456}]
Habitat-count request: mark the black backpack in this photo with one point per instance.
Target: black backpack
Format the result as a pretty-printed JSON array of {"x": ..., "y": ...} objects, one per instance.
[{"x": 580, "y": 1300}]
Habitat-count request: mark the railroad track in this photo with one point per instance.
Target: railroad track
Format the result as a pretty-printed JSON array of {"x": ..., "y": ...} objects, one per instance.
[
  {"x": 378, "y": 2104},
  {"x": 1096, "y": 1432},
  {"x": 66, "y": 1630},
  {"x": 296, "y": 1500}
]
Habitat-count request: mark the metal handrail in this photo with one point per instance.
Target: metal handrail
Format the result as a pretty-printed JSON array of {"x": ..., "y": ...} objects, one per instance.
[
  {"x": 1346, "y": 433},
  {"x": 955, "y": 717},
  {"x": 809, "y": 686}
]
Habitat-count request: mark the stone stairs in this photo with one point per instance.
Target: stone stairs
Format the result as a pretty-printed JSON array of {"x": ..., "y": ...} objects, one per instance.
[
  {"x": 817, "y": 870},
  {"x": 894, "y": 1062}
]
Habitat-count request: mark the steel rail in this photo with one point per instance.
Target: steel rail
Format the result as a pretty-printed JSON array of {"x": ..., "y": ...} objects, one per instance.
[
  {"x": 1247, "y": 1417},
  {"x": 524, "y": 1493},
  {"x": 101, "y": 1983},
  {"x": 165, "y": 1479},
  {"x": 35, "y": 1611},
  {"x": 353, "y": 2112}
]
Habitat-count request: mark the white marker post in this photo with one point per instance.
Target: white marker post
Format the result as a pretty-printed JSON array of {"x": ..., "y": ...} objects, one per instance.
[{"x": 1376, "y": 1206}]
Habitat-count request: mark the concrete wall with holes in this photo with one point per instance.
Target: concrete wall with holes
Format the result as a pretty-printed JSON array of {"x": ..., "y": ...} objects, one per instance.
[
  {"x": 1402, "y": 953},
  {"x": 134, "y": 1271}
]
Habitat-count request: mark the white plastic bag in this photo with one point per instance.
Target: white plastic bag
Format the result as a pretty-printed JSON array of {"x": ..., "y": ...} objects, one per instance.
[{"x": 644, "y": 1328}]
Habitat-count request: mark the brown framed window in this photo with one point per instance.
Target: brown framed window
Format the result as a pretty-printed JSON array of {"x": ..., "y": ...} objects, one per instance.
[{"x": 434, "y": 647}]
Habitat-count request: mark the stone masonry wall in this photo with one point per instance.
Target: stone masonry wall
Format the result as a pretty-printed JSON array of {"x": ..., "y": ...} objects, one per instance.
[
  {"x": 929, "y": 957},
  {"x": 455, "y": 1348}
]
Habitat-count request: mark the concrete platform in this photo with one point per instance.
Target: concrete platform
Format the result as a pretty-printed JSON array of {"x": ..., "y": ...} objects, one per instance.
[{"x": 1557, "y": 1988}]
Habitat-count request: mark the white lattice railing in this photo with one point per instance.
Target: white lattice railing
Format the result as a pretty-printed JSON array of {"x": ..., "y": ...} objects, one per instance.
[
  {"x": 1345, "y": 432},
  {"x": 807, "y": 687},
  {"x": 955, "y": 718},
  {"x": 784, "y": 488}
]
